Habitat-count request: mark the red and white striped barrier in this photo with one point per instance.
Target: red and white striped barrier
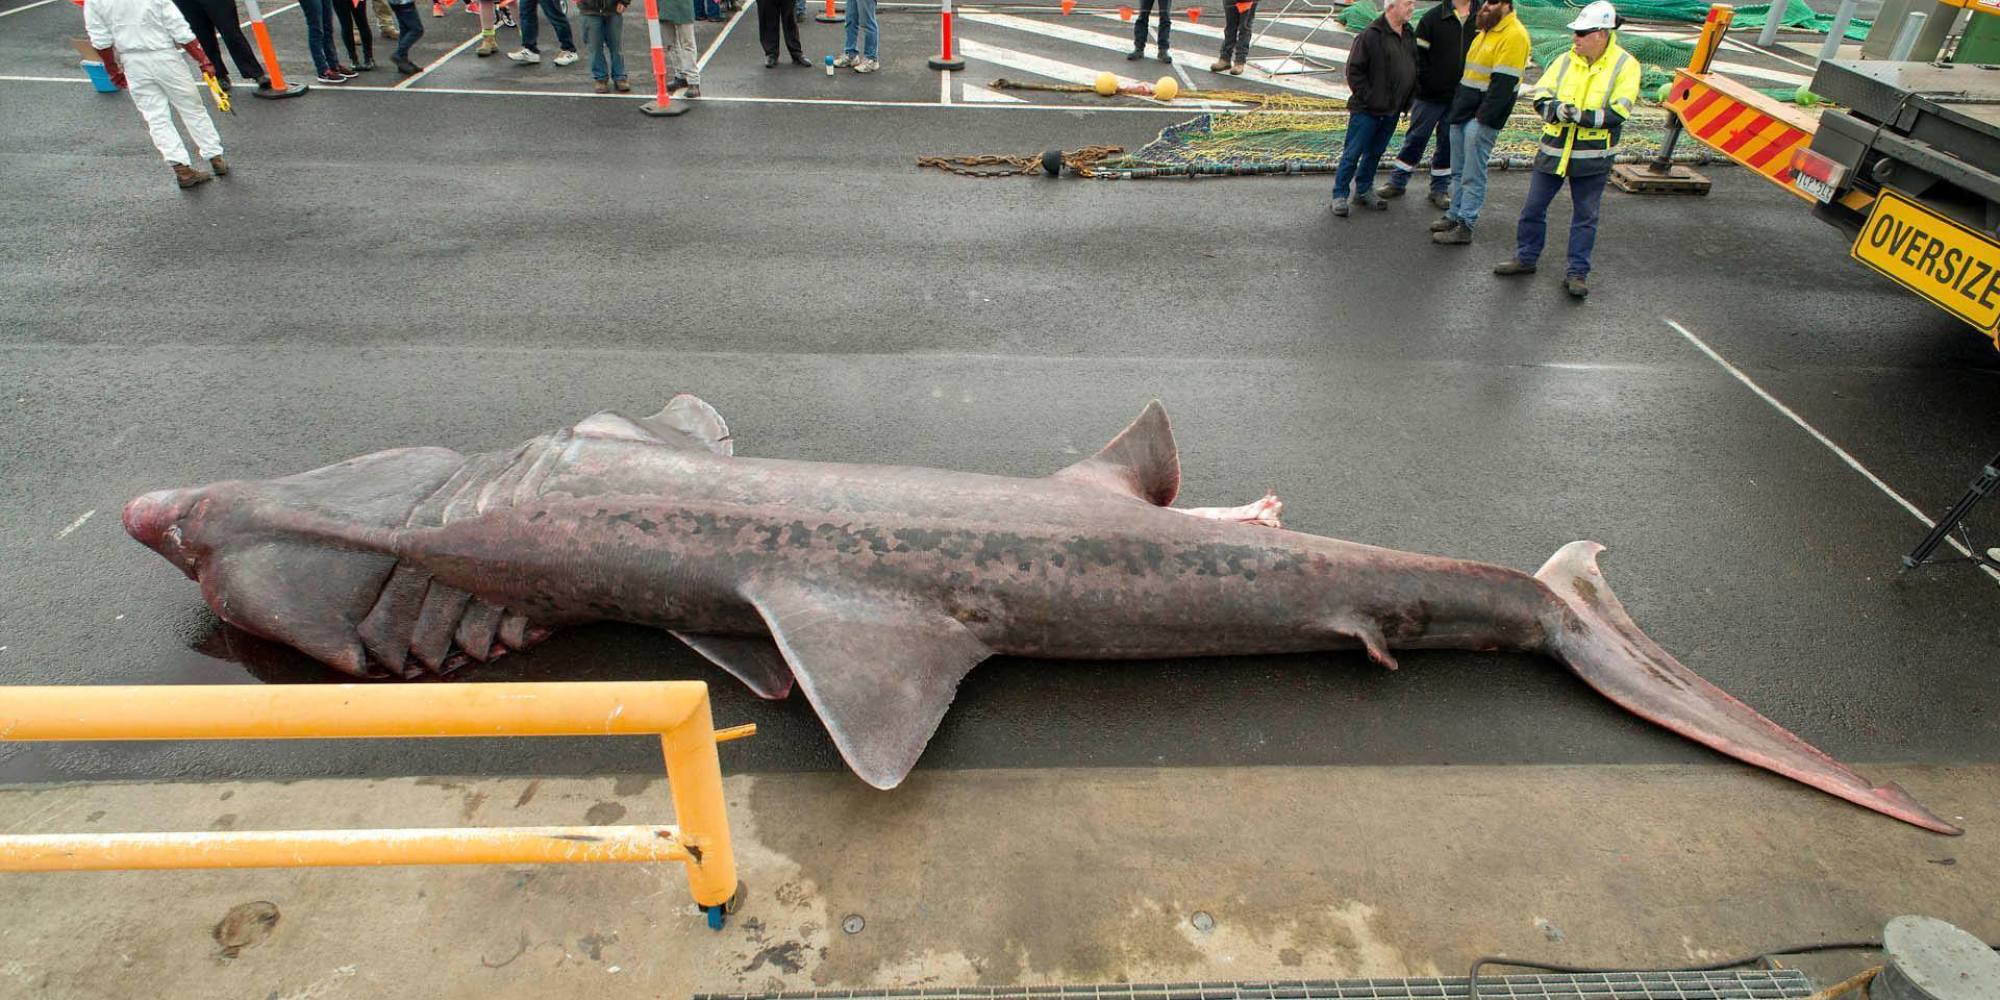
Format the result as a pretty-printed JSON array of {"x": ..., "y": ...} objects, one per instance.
[
  {"x": 662, "y": 105},
  {"x": 279, "y": 88},
  {"x": 948, "y": 51}
]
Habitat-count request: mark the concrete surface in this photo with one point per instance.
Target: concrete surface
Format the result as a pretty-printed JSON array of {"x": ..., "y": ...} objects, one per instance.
[{"x": 988, "y": 877}]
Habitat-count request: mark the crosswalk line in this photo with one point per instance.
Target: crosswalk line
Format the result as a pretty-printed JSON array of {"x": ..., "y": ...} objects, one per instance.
[
  {"x": 1261, "y": 72},
  {"x": 1313, "y": 49},
  {"x": 1054, "y": 69}
]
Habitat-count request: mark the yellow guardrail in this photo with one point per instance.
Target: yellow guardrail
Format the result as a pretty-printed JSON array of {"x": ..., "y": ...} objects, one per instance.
[{"x": 676, "y": 711}]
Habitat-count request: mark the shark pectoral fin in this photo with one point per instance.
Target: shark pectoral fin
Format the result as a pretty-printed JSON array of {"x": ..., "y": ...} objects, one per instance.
[
  {"x": 756, "y": 662},
  {"x": 880, "y": 669},
  {"x": 1365, "y": 631},
  {"x": 1600, "y": 643},
  {"x": 685, "y": 422},
  {"x": 1140, "y": 462}
]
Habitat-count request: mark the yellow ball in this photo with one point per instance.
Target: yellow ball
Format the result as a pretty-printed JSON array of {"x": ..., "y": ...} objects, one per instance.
[
  {"x": 1167, "y": 89},
  {"x": 1106, "y": 85}
]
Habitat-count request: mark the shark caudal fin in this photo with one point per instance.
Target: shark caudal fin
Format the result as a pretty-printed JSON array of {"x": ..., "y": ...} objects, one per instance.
[{"x": 1601, "y": 644}]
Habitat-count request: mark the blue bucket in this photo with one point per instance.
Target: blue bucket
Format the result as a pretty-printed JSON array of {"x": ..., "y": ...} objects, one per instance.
[{"x": 99, "y": 76}]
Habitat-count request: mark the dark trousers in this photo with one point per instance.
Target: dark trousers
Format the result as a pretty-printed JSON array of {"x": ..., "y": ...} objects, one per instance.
[
  {"x": 1139, "y": 23},
  {"x": 1236, "y": 32},
  {"x": 1426, "y": 117},
  {"x": 1367, "y": 138},
  {"x": 773, "y": 16},
  {"x": 531, "y": 26},
  {"x": 209, "y": 18},
  {"x": 1585, "y": 195},
  {"x": 353, "y": 18},
  {"x": 409, "y": 28}
]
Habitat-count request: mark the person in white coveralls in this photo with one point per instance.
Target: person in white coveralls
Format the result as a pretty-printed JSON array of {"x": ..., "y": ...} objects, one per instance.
[{"x": 141, "y": 42}]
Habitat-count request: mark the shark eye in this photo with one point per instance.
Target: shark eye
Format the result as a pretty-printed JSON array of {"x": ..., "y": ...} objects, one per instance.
[{"x": 173, "y": 534}]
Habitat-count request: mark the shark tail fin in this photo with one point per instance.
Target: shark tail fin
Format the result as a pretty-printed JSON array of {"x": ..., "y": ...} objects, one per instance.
[{"x": 1600, "y": 643}]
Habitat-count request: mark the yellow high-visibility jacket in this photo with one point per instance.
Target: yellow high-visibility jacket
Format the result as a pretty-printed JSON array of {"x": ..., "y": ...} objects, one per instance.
[{"x": 1603, "y": 92}]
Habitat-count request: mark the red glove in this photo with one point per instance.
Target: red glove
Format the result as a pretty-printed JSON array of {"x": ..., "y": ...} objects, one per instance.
[
  {"x": 109, "y": 57},
  {"x": 200, "y": 58}
]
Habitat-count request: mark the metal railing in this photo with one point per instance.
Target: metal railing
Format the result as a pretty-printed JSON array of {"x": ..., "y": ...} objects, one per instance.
[{"x": 675, "y": 711}]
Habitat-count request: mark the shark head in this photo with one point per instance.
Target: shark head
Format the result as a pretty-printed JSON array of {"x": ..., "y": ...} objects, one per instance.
[{"x": 173, "y": 523}]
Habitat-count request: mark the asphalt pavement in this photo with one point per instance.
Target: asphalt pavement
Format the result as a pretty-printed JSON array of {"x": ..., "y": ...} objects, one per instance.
[{"x": 445, "y": 266}]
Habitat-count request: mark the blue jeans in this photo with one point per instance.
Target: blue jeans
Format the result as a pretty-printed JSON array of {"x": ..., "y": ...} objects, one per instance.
[
  {"x": 1367, "y": 139},
  {"x": 1471, "y": 151},
  {"x": 861, "y": 22},
  {"x": 799, "y": 10},
  {"x": 531, "y": 25},
  {"x": 319, "y": 33},
  {"x": 1426, "y": 117},
  {"x": 707, "y": 10},
  {"x": 601, "y": 35},
  {"x": 1585, "y": 194},
  {"x": 409, "y": 28}
]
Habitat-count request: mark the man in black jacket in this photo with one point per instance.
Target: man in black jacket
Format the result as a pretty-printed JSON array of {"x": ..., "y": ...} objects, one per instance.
[
  {"x": 1381, "y": 78},
  {"x": 1442, "y": 36}
]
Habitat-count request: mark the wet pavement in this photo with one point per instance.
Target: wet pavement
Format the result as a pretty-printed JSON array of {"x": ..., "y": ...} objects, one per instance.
[{"x": 466, "y": 269}]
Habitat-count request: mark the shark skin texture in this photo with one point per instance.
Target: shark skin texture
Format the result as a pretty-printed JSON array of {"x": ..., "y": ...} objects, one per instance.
[{"x": 876, "y": 589}]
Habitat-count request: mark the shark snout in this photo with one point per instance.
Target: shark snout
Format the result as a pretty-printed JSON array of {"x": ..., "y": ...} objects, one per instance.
[{"x": 148, "y": 517}]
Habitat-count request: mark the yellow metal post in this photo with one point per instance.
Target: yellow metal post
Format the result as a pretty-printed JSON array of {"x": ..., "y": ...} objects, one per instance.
[
  {"x": 694, "y": 774},
  {"x": 676, "y": 711},
  {"x": 1713, "y": 30}
]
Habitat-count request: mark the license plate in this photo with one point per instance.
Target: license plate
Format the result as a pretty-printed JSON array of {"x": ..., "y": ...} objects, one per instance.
[
  {"x": 1816, "y": 175},
  {"x": 1956, "y": 268},
  {"x": 1819, "y": 189}
]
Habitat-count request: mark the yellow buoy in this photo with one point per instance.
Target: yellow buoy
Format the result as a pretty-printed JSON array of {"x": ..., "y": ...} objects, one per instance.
[
  {"x": 1106, "y": 85},
  {"x": 1166, "y": 89}
]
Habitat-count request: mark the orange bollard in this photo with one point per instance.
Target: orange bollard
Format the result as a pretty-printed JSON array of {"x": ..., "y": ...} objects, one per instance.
[
  {"x": 1194, "y": 15},
  {"x": 1124, "y": 13},
  {"x": 948, "y": 56},
  {"x": 829, "y": 15},
  {"x": 279, "y": 88},
  {"x": 1068, "y": 5},
  {"x": 662, "y": 105}
]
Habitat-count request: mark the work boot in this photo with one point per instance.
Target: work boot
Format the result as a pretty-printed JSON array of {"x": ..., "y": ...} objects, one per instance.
[
  {"x": 1136, "y": 54},
  {"x": 1218, "y": 66},
  {"x": 1340, "y": 207},
  {"x": 1166, "y": 57},
  {"x": 407, "y": 68},
  {"x": 1236, "y": 69},
  {"x": 488, "y": 45},
  {"x": 694, "y": 90},
  {"x": 1575, "y": 286},
  {"x": 1369, "y": 200},
  {"x": 1443, "y": 224},
  {"x": 1457, "y": 236},
  {"x": 188, "y": 177},
  {"x": 216, "y": 164},
  {"x": 1441, "y": 200},
  {"x": 264, "y": 83},
  {"x": 1389, "y": 191},
  {"x": 1513, "y": 267}
]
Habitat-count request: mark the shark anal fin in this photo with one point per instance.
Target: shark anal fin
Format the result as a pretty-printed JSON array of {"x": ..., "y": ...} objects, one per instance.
[
  {"x": 756, "y": 662},
  {"x": 685, "y": 422},
  {"x": 881, "y": 669},
  {"x": 1140, "y": 462}
]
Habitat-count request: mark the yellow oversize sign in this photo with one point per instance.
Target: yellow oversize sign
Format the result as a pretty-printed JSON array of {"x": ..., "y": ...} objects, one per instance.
[{"x": 1953, "y": 266}]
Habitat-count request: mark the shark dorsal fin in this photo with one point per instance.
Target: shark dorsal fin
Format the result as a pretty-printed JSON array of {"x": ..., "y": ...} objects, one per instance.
[
  {"x": 879, "y": 668},
  {"x": 1141, "y": 461},
  {"x": 685, "y": 422}
]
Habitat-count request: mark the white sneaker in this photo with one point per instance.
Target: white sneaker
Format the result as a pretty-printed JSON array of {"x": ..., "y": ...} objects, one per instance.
[
  {"x": 526, "y": 57},
  {"x": 866, "y": 65},
  {"x": 565, "y": 57},
  {"x": 846, "y": 59}
]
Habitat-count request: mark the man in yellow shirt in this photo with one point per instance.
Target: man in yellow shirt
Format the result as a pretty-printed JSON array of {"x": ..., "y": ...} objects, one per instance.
[
  {"x": 1583, "y": 99},
  {"x": 1479, "y": 110}
]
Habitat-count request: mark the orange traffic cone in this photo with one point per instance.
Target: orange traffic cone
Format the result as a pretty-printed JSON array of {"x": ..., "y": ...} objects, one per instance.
[
  {"x": 1068, "y": 5},
  {"x": 1194, "y": 15},
  {"x": 1124, "y": 13}
]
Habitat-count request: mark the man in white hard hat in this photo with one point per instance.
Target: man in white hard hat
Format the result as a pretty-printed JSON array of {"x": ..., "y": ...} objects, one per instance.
[
  {"x": 1583, "y": 98},
  {"x": 140, "y": 42}
]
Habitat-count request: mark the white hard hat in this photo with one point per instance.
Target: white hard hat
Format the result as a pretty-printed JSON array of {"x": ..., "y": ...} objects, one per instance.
[{"x": 1599, "y": 14}]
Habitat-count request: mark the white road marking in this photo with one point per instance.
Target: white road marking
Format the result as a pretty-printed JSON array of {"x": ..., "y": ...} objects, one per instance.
[
  {"x": 1852, "y": 463},
  {"x": 1178, "y": 107},
  {"x": 32, "y": 6},
  {"x": 974, "y": 94},
  {"x": 73, "y": 525},
  {"x": 441, "y": 60},
  {"x": 1051, "y": 68},
  {"x": 44, "y": 79},
  {"x": 702, "y": 63},
  {"x": 944, "y": 87}
]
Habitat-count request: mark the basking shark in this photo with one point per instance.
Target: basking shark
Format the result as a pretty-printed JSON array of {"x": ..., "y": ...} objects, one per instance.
[{"x": 878, "y": 588}]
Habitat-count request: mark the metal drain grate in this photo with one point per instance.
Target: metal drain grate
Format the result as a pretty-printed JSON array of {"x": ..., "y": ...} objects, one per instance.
[{"x": 1781, "y": 984}]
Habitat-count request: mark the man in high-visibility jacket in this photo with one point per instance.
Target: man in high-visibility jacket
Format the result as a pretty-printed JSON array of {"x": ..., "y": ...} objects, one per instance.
[{"x": 1583, "y": 99}]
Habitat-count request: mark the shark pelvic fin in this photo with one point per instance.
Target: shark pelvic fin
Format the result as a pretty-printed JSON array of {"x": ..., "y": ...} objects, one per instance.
[
  {"x": 880, "y": 669},
  {"x": 1140, "y": 462},
  {"x": 685, "y": 422},
  {"x": 756, "y": 662},
  {"x": 1600, "y": 643}
]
